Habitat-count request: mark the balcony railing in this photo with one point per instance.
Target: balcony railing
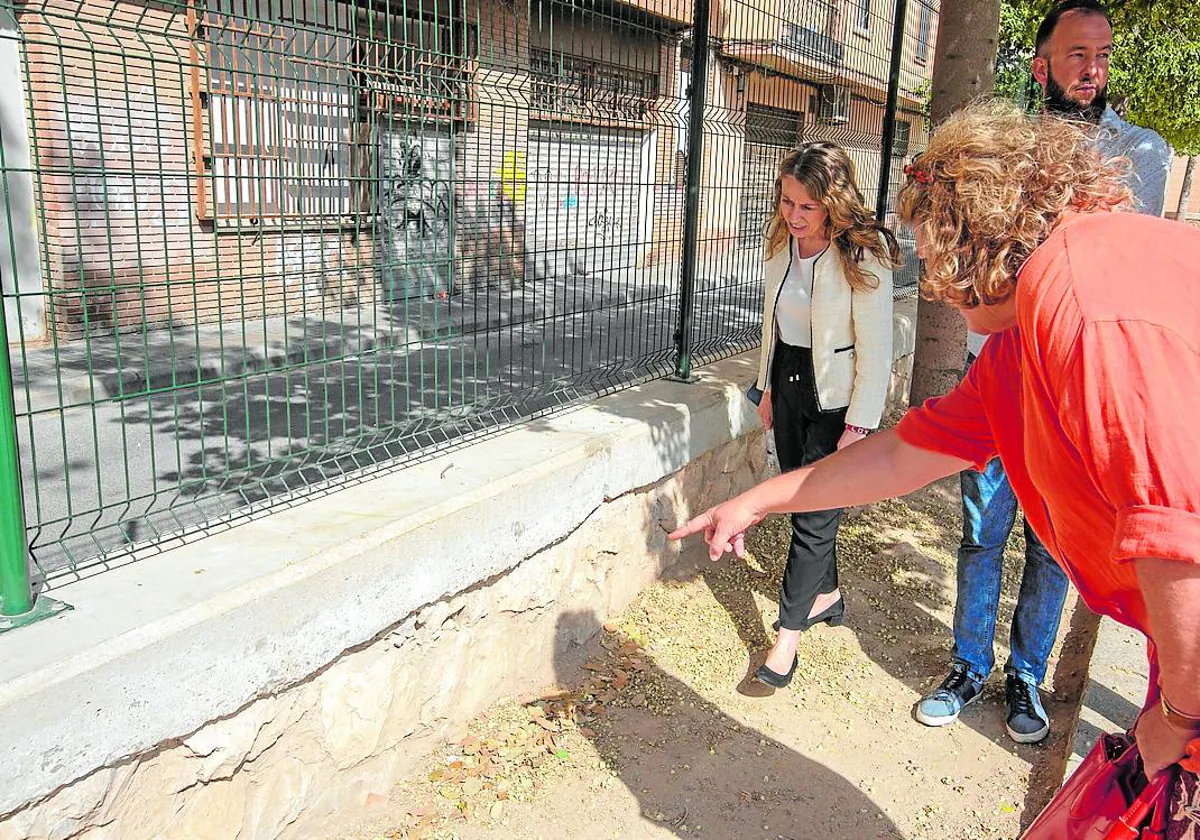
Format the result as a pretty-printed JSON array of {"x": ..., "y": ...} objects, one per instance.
[{"x": 812, "y": 44}]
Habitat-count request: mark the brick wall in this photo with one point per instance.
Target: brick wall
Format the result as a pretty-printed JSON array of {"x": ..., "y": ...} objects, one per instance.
[
  {"x": 671, "y": 124},
  {"x": 129, "y": 233},
  {"x": 111, "y": 92}
]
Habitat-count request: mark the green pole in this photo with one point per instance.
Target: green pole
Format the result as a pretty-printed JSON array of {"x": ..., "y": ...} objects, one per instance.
[
  {"x": 697, "y": 92},
  {"x": 16, "y": 596}
]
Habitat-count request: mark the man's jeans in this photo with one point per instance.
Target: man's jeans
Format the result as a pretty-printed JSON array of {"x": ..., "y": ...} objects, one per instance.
[{"x": 989, "y": 513}]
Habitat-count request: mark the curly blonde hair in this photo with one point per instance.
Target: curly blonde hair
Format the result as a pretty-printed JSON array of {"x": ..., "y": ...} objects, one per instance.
[
  {"x": 827, "y": 174},
  {"x": 990, "y": 188}
]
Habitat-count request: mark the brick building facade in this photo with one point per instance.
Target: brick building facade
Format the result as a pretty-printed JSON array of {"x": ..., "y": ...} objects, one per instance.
[{"x": 199, "y": 161}]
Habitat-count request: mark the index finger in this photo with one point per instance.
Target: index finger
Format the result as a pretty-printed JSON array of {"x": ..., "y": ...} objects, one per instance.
[{"x": 693, "y": 526}]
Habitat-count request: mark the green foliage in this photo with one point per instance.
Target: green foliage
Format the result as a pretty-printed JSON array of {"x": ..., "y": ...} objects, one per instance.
[{"x": 1153, "y": 78}]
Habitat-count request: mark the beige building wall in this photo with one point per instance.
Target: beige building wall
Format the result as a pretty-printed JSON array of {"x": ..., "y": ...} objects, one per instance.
[
  {"x": 674, "y": 12},
  {"x": 747, "y": 20},
  {"x": 868, "y": 51}
]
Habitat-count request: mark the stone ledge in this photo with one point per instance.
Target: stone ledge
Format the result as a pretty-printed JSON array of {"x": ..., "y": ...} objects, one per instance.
[{"x": 156, "y": 649}]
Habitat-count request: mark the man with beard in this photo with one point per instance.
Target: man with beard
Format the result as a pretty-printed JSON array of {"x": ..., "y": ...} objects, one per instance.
[
  {"x": 1073, "y": 46},
  {"x": 1071, "y": 65}
]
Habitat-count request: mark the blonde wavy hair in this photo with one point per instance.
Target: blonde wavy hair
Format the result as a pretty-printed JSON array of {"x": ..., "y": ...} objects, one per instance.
[
  {"x": 827, "y": 174},
  {"x": 990, "y": 188}
]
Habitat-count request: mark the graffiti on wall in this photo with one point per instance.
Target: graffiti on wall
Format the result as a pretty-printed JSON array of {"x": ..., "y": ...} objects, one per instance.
[
  {"x": 325, "y": 265},
  {"x": 512, "y": 175},
  {"x": 415, "y": 203},
  {"x": 441, "y": 237},
  {"x": 585, "y": 199}
]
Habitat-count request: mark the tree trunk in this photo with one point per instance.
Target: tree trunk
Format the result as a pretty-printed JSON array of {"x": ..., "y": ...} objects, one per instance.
[
  {"x": 963, "y": 69},
  {"x": 1185, "y": 192}
]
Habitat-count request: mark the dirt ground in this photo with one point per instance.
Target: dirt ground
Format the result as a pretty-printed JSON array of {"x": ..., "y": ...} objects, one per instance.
[{"x": 647, "y": 737}]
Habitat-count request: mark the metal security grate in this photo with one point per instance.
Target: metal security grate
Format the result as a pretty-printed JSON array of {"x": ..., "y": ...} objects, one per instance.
[{"x": 254, "y": 246}]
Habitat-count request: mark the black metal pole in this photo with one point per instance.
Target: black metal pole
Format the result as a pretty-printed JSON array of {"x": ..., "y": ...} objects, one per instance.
[
  {"x": 697, "y": 90},
  {"x": 889, "y": 116}
]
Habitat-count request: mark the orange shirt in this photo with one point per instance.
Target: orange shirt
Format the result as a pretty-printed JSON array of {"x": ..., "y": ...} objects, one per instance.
[{"x": 1092, "y": 402}]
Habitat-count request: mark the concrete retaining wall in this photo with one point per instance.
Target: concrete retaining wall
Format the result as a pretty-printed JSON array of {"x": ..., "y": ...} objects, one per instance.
[
  {"x": 259, "y": 682},
  {"x": 264, "y": 681}
]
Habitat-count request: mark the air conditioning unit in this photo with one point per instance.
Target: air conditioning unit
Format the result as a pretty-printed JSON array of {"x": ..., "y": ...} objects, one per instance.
[{"x": 833, "y": 104}]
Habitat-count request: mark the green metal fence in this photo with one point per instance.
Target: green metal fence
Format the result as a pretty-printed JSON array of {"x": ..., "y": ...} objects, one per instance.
[{"x": 255, "y": 246}]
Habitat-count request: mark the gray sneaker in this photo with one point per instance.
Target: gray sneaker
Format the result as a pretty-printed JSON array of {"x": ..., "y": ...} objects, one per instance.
[
  {"x": 956, "y": 692},
  {"x": 1027, "y": 722}
]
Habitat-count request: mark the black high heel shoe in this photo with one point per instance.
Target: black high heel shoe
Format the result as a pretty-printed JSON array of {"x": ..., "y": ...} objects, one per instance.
[
  {"x": 766, "y": 675},
  {"x": 834, "y": 615}
]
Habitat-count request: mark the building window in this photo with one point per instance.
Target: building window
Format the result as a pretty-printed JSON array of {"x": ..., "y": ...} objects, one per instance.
[
  {"x": 293, "y": 97},
  {"x": 770, "y": 134},
  {"x": 926, "y": 22},
  {"x": 414, "y": 65},
  {"x": 569, "y": 86},
  {"x": 812, "y": 31},
  {"x": 901, "y": 144},
  {"x": 862, "y": 15}
]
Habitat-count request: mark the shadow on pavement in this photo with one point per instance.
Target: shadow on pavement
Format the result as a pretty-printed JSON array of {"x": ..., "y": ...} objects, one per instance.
[{"x": 693, "y": 769}]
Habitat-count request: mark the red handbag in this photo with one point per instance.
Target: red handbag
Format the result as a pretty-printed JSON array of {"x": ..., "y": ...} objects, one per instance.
[{"x": 1107, "y": 798}]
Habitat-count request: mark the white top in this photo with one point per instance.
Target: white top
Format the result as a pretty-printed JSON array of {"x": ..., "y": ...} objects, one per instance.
[
  {"x": 793, "y": 310},
  {"x": 975, "y": 342},
  {"x": 851, "y": 329}
]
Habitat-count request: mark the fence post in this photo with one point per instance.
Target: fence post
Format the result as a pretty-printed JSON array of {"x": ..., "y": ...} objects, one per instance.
[
  {"x": 16, "y": 596},
  {"x": 889, "y": 115},
  {"x": 698, "y": 90},
  {"x": 17, "y": 604}
]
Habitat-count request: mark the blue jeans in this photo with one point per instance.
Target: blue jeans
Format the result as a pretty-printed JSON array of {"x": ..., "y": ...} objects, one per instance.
[{"x": 989, "y": 513}]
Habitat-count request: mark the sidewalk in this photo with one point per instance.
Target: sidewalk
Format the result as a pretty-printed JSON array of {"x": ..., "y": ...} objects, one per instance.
[
  {"x": 114, "y": 367},
  {"x": 147, "y": 434},
  {"x": 645, "y": 735},
  {"x": 137, "y": 431},
  {"x": 130, "y": 365},
  {"x": 1116, "y": 688}
]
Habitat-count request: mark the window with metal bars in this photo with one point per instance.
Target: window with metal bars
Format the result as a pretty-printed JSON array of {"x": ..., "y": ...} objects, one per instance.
[
  {"x": 292, "y": 91},
  {"x": 406, "y": 65},
  {"x": 924, "y": 25},
  {"x": 567, "y": 85},
  {"x": 813, "y": 30},
  {"x": 862, "y": 15}
]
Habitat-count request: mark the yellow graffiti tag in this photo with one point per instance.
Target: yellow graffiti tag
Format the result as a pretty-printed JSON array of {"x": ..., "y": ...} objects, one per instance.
[{"x": 512, "y": 177}]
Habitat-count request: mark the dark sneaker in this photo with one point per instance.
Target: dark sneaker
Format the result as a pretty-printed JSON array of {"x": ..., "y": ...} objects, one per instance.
[
  {"x": 955, "y": 693},
  {"x": 1028, "y": 722}
]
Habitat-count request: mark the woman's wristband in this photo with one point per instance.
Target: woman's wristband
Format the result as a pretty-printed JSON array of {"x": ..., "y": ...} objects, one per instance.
[
  {"x": 858, "y": 430},
  {"x": 1177, "y": 719}
]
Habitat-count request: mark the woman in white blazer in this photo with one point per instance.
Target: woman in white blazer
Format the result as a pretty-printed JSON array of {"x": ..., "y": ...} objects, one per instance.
[{"x": 826, "y": 360}]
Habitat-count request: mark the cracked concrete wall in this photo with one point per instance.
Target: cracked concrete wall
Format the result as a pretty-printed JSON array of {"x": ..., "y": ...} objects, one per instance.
[{"x": 302, "y": 761}]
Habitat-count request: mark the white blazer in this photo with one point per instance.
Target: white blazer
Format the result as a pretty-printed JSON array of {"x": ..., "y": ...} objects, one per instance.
[{"x": 851, "y": 335}]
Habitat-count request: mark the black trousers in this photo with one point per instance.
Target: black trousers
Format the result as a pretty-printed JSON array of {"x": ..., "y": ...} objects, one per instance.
[{"x": 804, "y": 434}]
